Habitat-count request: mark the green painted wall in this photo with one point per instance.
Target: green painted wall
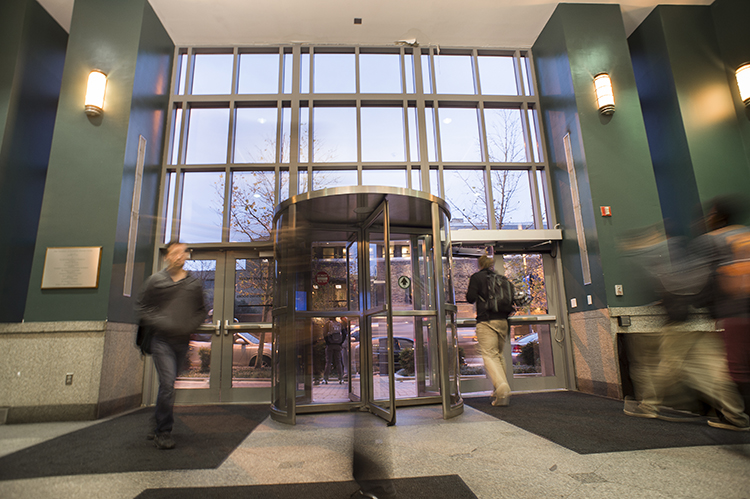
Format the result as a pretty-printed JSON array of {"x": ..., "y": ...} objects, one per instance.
[
  {"x": 148, "y": 115},
  {"x": 85, "y": 189},
  {"x": 611, "y": 154},
  {"x": 730, "y": 21},
  {"x": 697, "y": 128},
  {"x": 32, "y": 55}
]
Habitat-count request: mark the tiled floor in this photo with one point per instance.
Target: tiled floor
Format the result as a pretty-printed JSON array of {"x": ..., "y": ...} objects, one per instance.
[{"x": 494, "y": 458}]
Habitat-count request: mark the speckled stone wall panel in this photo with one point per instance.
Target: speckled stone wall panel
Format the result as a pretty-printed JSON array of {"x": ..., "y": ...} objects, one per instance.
[
  {"x": 650, "y": 319},
  {"x": 34, "y": 367},
  {"x": 596, "y": 367},
  {"x": 35, "y": 358},
  {"x": 122, "y": 370}
]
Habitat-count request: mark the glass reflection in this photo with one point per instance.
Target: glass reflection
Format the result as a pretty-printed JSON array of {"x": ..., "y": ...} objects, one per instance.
[
  {"x": 258, "y": 74},
  {"x": 383, "y": 134},
  {"x": 459, "y": 134},
  {"x": 208, "y": 131},
  {"x": 379, "y": 73},
  {"x": 255, "y": 136},
  {"x": 454, "y": 74},
  {"x": 202, "y": 212},
  {"x": 212, "y": 74},
  {"x": 497, "y": 75}
]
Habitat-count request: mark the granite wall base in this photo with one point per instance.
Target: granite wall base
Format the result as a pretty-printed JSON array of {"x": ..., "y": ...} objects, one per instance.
[{"x": 38, "y": 357}]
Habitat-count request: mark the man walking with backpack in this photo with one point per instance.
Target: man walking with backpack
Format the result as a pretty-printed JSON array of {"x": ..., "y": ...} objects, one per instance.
[
  {"x": 334, "y": 338},
  {"x": 493, "y": 294}
]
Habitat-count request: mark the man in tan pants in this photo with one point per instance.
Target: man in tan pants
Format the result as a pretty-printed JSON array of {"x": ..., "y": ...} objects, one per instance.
[{"x": 492, "y": 330}]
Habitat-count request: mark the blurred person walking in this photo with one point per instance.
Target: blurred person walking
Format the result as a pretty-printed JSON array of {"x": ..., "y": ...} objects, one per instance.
[
  {"x": 171, "y": 305},
  {"x": 725, "y": 250},
  {"x": 683, "y": 364},
  {"x": 492, "y": 323}
]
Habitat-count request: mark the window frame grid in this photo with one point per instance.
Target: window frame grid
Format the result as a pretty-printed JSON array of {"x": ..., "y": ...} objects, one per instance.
[{"x": 526, "y": 101}]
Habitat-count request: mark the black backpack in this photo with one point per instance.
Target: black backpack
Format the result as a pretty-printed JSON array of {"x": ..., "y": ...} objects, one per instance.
[
  {"x": 499, "y": 294},
  {"x": 335, "y": 334}
]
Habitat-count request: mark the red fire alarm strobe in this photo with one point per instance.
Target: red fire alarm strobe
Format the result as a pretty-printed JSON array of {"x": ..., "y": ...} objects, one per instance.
[{"x": 606, "y": 211}]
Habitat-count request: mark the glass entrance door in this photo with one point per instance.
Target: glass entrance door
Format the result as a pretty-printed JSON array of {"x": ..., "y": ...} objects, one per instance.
[
  {"x": 229, "y": 357},
  {"x": 534, "y": 354}
]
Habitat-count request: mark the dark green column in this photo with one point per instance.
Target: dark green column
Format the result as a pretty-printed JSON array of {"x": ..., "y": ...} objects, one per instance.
[
  {"x": 612, "y": 168},
  {"x": 684, "y": 59},
  {"x": 32, "y": 54},
  {"x": 88, "y": 194},
  {"x": 611, "y": 156}
]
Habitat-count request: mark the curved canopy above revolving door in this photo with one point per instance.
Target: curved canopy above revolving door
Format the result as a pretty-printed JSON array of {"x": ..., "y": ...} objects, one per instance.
[{"x": 375, "y": 264}]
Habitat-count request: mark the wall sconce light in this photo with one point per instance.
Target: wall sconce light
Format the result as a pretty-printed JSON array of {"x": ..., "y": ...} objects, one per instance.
[
  {"x": 743, "y": 81},
  {"x": 97, "y": 84},
  {"x": 605, "y": 97}
]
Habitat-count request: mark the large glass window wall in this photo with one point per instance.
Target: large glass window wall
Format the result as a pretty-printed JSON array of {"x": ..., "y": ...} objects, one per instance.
[{"x": 250, "y": 127}]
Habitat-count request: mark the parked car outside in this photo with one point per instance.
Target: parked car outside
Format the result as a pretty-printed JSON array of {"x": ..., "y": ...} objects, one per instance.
[
  {"x": 380, "y": 352},
  {"x": 518, "y": 344},
  {"x": 244, "y": 349}
]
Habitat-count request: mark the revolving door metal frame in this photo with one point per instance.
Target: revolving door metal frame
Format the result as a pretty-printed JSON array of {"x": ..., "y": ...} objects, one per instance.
[{"x": 293, "y": 218}]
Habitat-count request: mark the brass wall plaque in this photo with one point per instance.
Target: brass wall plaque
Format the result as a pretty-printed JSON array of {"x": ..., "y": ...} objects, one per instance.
[{"x": 72, "y": 268}]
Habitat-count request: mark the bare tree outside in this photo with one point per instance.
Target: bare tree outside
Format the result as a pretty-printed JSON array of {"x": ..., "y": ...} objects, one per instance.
[
  {"x": 527, "y": 273},
  {"x": 465, "y": 193},
  {"x": 253, "y": 195},
  {"x": 506, "y": 145}
]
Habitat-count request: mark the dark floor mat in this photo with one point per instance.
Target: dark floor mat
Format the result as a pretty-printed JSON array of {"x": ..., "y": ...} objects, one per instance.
[
  {"x": 434, "y": 487},
  {"x": 205, "y": 436},
  {"x": 588, "y": 424}
]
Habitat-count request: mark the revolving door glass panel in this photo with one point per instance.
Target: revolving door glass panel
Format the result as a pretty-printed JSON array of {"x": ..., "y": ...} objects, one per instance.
[
  {"x": 380, "y": 367},
  {"x": 327, "y": 322}
]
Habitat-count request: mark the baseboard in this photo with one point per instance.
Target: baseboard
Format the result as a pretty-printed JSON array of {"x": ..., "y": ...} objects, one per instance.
[
  {"x": 601, "y": 388},
  {"x": 49, "y": 413},
  {"x": 110, "y": 407}
]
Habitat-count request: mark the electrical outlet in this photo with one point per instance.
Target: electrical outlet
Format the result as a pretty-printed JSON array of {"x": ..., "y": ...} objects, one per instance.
[
  {"x": 69, "y": 379},
  {"x": 618, "y": 290}
]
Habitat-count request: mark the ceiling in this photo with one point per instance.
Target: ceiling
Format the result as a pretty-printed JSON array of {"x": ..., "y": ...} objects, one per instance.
[{"x": 448, "y": 23}]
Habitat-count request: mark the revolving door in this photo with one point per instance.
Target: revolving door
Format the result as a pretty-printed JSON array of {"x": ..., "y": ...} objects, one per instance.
[{"x": 369, "y": 267}]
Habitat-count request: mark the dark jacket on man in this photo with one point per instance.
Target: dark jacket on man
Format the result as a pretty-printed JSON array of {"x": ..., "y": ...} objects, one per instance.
[
  {"x": 477, "y": 293},
  {"x": 173, "y": 310}
]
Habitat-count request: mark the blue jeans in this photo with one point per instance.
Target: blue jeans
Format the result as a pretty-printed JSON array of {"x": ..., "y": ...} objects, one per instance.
[{"x": 168, "y": 359}]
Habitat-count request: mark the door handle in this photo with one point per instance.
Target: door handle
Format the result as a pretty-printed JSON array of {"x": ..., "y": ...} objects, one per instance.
[
  {"x": 217, "y": 328},
  {"x": 226, "y": 327}
]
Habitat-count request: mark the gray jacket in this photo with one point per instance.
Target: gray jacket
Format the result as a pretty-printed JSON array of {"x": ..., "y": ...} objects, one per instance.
[{"x": 173, "y": 309}]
